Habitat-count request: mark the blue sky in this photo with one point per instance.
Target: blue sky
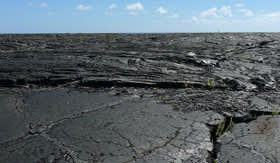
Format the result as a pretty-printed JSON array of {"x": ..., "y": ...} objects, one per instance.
[{"x": 138, "y": 16}]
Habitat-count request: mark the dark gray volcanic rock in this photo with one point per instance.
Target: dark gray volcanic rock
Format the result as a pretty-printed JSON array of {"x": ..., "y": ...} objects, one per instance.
[
  {"x": 117, "y": 98},
  {"x": 236, "y": 61},
  {"x": 257, "y": 141},
  {"x": 100, "y": 125}
]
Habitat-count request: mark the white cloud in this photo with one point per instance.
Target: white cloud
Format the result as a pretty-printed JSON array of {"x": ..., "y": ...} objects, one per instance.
[
  {"x": 212, "y": 12},
  {"x": 161, "y": 10},
  {"x": 112, "y": 6},
  {"x": 135, "y": 6},
  {"x": 194, "y": 18},
  {"x": 226, "y": 11},
  {"x": 239, "y": 5},
  {"x": 174, "y": 16},
  {"x": 83, "y": 7},
  {"x": 270, "y": 17},
  {"x": 271, "y": 20},
  {"x": 273, "y": 15},
  {"x": 43, "y": 5},
  {"x": 132, "y": 13},
  {"x": 247, "y": 12}
]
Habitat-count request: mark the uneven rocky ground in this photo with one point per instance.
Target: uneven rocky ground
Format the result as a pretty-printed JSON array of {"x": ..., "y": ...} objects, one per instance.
[{"x": 140, "y": 98}]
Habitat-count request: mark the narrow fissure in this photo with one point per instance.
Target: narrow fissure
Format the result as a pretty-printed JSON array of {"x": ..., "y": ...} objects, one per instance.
[
  {"x": 78, "y": 82},
  {"x": 228, "y": 123}
]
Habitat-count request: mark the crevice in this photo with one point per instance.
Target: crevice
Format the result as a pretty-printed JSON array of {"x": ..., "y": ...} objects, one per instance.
[
  {"x": 40, "y": 82},
  {"x": 69, "y": 155},
  {"x": 118, "y": 83},
  {"x": 228, "y": 123},
  {"x": 166, "y": 85},
  {"x": 214, "y": 153},
  {"x": 170, "y": 139},
  {"x": 78, "y": 83},
  {"x": 8, "y": 143},
  {"x": 153, "y": 149},
  {"x": 39, "y": 129},
  {"x": 261, "y": 44},
  {"x": 131, "y": 145}
]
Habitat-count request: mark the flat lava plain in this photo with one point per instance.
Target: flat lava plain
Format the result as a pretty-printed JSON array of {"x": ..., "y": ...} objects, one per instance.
[{"x": 140, "y": 98}]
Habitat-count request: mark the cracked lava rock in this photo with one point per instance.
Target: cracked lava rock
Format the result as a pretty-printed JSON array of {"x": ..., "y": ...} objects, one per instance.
[{"x": 140, "y": 98}]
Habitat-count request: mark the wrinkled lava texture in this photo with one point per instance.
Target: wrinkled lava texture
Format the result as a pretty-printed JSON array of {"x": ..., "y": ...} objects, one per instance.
[{"x": 140, "y": 98}]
